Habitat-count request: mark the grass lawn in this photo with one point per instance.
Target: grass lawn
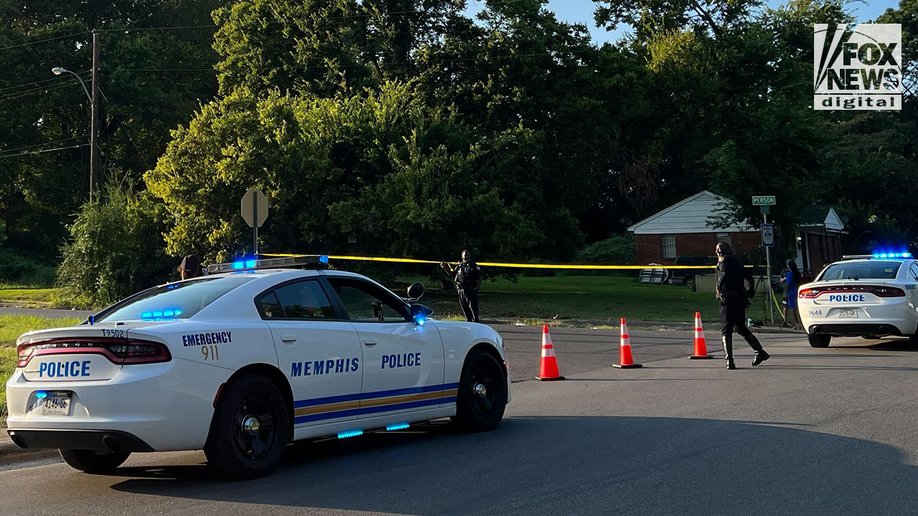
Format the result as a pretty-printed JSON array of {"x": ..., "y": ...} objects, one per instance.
[
  {"x": 11, "y": 327},
  {"x": 594, "y": 299},
  {"x": 25, "y": 296}
]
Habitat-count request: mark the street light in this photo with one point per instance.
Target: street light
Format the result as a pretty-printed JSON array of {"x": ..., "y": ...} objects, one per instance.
[
  {"x": 94, "y": 112},
  {"x": 57, "y": 70}
]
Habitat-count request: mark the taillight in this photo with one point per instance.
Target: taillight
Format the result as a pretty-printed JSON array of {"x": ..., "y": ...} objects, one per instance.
[
  {"x": 807, "y": 293},
  {"x": 140, "y": 352},
  {"x": 118, "y": 351},
  {"x": 888, "y": 292}
]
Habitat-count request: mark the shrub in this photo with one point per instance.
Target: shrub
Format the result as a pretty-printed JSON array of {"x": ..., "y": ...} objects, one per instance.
[
  {"x": 19, "y": 270},
  {"x": 116, "y": 248},
  {"x": 617, "y": 250}
]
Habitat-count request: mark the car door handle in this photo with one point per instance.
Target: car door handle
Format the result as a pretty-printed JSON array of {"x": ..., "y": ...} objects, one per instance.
[
  {"x": 369, "y": 343},
  {"x": 288, "y": 339}
]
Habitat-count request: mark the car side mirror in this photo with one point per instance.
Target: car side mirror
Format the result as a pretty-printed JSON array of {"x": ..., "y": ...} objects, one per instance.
[
  {"x": 419, "y": 313},
  {"x": 416, "y": 290}
]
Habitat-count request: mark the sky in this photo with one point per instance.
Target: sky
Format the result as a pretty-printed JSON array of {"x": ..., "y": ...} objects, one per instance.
[{"x": 581, "y": 11}]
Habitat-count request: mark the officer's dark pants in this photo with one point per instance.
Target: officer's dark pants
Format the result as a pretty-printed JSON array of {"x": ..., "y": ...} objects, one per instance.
[
  {"x": 732, "y": 316},
  {"x": 468, "y": 300}
]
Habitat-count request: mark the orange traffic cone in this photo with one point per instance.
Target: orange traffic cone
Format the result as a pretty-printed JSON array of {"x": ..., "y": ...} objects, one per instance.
[
  {"x": 701, "y": 349},
  {"x": 625, "y": 360},
  {"x": 548, "y": 368}
]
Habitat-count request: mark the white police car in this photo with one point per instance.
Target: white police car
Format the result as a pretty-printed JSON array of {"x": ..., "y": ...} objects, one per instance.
[
  {"x": 241, "y": 363},
  {"x": 869, "y": 295}
]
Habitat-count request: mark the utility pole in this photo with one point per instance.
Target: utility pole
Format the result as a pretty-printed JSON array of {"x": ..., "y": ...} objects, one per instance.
[{"x": 94, "y": 158}]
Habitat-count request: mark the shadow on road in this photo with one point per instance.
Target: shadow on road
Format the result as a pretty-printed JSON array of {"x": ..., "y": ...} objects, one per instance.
[{"x": 571, "y": 465}]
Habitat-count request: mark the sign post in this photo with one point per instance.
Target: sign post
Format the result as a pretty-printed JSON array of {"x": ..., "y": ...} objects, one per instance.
[
  {"x": 254, "y": 212},
  {"x": 765, "y": 202}
]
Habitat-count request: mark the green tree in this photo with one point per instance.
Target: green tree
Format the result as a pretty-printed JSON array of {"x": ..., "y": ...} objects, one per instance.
[{"x": 144, "y": 97}]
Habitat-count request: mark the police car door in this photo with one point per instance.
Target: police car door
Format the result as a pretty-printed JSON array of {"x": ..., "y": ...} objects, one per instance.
[
  {"x": 319, "y": 353},
  {"x": 402, "y": 361}
]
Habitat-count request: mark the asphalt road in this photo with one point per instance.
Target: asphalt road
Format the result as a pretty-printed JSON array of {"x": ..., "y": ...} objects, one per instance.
[{"x": 808, "y": 432}]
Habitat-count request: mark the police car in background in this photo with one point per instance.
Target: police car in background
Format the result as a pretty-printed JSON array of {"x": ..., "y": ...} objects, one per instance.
[
  {"x": 868, "y": 295},
  {"x": 241, "y": 362}
]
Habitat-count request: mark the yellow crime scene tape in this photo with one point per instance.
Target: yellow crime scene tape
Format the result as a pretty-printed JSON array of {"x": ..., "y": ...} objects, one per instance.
[{"x": 508, "y": 265}]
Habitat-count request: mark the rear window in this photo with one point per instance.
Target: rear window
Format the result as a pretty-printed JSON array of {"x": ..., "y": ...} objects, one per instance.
[
  {"x": 861, "y": 270},
  {"x": 173, "y": 301}
]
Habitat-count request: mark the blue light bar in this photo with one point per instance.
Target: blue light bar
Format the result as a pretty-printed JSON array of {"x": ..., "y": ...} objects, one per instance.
[
  {"x": 239, "y": 264},
  {"x": 349, "y": 433},
  {"x": 323, "y": 259},
  {"x": 250, "y": 264},
  {"x": 397, "y": 426},
  {"x": 41, "y": 395},
  {"x": 902, "y": 255}
]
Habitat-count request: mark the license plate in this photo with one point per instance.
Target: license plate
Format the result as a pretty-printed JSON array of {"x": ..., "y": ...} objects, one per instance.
[
  {"x": 847, "y": 314},
  {"x": 53, "y": 404}
]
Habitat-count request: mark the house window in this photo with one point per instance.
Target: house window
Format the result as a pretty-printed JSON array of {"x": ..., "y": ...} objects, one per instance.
[
  {"x": 724, "y": 237},
  {"x": 667, "y": 246}
]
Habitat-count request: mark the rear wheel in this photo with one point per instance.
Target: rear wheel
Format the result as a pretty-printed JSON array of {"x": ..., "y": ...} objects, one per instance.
[
  {"x": 250, "y": 429},
  {"x": 818, "y": 341},
  {"x": 92, "y": 461},
  {"x": 482, "y": 394}
]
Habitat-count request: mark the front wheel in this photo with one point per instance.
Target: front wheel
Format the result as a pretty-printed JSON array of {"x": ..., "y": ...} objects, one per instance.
[
  {"x": 818, "y": 341},
  {"x": 92, "y": 461},
  {"x": 482, "y": 394},
  {"x": 250, "y": 429}
]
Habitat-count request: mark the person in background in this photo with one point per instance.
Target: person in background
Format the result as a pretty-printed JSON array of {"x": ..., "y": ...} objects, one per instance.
[
  {"x": 190, "y": 267},
  {"x": 791, "y": 280},
  {"x": 730, "y": 287},
  {"x": 467, "y": 275}
]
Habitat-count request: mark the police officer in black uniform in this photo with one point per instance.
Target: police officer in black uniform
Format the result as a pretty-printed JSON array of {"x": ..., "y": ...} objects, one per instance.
[
  {"x": 730, "y": 280},
  {"x": 467, "y": 276}
]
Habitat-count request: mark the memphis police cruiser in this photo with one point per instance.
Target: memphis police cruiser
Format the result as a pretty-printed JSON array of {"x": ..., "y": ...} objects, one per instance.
[
  {"x": 245, "y": 360},
  {"x": 867, "y": 295}
]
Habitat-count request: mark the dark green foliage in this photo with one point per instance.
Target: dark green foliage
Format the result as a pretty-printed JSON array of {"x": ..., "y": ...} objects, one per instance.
[
  {"x": 116, "y": 248},
  {"x": 616, "y": 250}
]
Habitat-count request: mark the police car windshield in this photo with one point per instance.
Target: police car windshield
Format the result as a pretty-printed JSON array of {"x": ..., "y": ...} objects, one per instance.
[
  {"x": 861, "y": 270},
  {"x": 172, "y": 301}
]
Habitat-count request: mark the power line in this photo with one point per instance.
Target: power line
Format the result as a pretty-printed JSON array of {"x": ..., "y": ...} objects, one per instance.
[
  {"x": 20, "y": 94},
  {"x": 55, "y": 78},
  {"x": 45, "y": 40},
  {"x": 44, "y": 151},
  {"x": 43, "y": 144}
]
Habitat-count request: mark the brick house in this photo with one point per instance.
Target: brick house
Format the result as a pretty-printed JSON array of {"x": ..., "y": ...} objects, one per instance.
[
  {"x": 683, "y": 230},
  {"x": 819, "y": 235}
]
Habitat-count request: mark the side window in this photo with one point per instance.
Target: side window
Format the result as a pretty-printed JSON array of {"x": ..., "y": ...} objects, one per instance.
[
  {"x": 270, "y": 307},
  {"x": 301, "y": 300},
  {"x": 366, "y": 302},
  {"x": 913, "y": 272}
]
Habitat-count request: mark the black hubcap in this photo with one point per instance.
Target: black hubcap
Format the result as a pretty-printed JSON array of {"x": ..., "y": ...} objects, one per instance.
[
  {"x": 484, "y": 387},
  {"x": 253, "y": 427}
]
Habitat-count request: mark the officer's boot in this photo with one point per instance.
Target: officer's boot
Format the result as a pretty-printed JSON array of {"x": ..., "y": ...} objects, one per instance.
[
  {"x": 760, "y": 354},
  {"x": 728, "y": 351}
]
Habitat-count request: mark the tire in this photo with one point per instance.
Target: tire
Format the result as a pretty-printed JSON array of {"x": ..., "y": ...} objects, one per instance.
[
  {"x": 482, "y": 395},
  {"x": 818, "y": 341},
  {"x": 92, "y": 461},
  {"x": 250, "y": 429},
  {"x": 689, "y": 282}
]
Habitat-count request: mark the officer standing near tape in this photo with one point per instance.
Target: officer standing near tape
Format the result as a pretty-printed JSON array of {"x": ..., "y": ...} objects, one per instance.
[
  {"x": 730, "y": 281},
  {"x": 467, "y": 276}
]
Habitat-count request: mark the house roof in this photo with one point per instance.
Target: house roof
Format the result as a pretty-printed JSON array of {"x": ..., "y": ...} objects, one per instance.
[
  {"x": 691, "y": 215},
  {"x": 820, "y": 215}
]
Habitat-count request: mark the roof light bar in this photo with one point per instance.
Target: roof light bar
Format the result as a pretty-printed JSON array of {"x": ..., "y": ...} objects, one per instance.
[{"x": 244, "y": 264}]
